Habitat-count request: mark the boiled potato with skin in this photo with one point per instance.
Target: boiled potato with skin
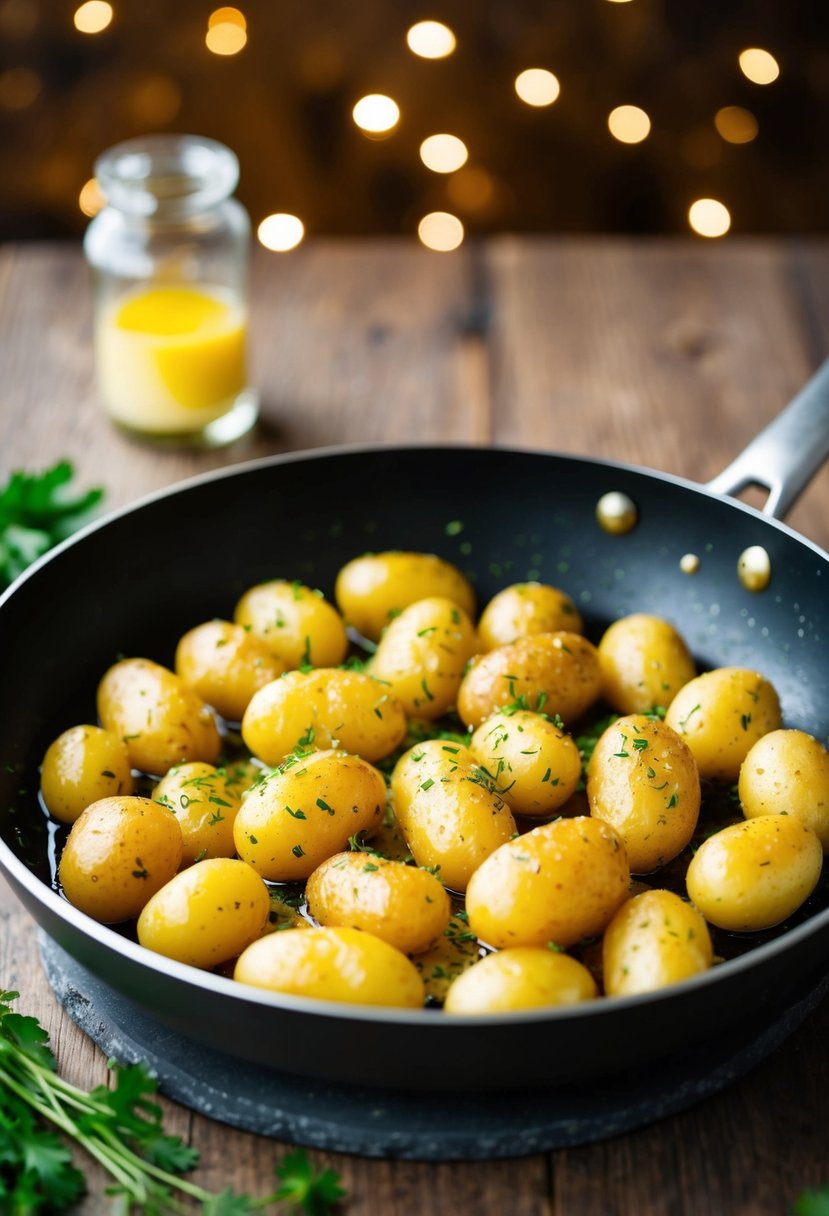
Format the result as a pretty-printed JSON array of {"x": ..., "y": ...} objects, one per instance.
[
  {"x": 536, "y": 766},
  {"x": 721, "y": 715},
  {"x": 206, "y": 914},
  {"x": 554, "y": 672},
  {"x": 332, "y": 965},
  {"x": 451, "y": 955},
  {"x": 372, "y": 590},
  {"x": 305, "y": 811},
  {"x": 320, "y": 709},
  {"x": 558, "y": 883},
  {"x": 447, "y": 810},
  {"x": 654, "y": 940},
  {"x": 296, "y": 623},
  {"x": 161, "y": 720},
  {"x": 225, "y": 664},
  {"x": 119, "y": 852},
  {"x": 523, "y": 609},
  {"x": 642, "y": 779},
  {"x": 405, "y": 906},
  {"x": 205, "y": 802},
  {"x": 520, "y": 977},
  {"x": 644, "y": 663},
  {"x": 787, "y": 773},
  {"x": 423, "y": 654},
  {"x": 754, "y": 874},
  {"x": 81, "y": 766}
]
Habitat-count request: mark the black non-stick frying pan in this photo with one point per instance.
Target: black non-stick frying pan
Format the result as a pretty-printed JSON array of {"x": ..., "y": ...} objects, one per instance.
[{"x": 135, "y": 582}]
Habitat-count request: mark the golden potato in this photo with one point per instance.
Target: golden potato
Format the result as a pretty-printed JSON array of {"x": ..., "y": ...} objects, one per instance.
[
  {"x": 225, "y": 664},
  {"x": 654, "y": 940},
  {"x": 644, "y": 663},
  {"x": 451, "y": 955},
  {"x": 535, "y": 765},
  {"x": 81, "y": 766},
  {"x": 721, "y": 715},
  {"x": 297, "y": 624},
  {"x": 524, "y": 609},
  {"x": 205, "y": 801},
  {"x": 787, "y": 773},
  {"x": 520, "y": 977},
  {"x": 372, "y": 590}
]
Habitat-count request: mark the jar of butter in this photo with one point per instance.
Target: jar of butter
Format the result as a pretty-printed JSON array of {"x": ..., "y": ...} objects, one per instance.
[{"x": 169, "y": 255}]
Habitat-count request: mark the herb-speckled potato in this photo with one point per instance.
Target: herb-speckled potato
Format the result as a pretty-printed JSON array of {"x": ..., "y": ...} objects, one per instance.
[
  {"x": 520, "y": 977},
  {"x": 423, "y": 654},
  {"x": 120, "y": 851},
  {"x": 405, "y": 906},
  {"x": 161, "y": 720},
  {"x": 754, "y": 874},
  {"x": 205, "y": 801},
  {"x": 451, "y": 955},
  {"x": 535, "y": 765},
  {"x": 644, "y": 663},
  {"x": 642, "y": 779},
  {"x": 721, "y": 715},
  {"x": 447, "y": 811},
  {"x": 206, "y": 914},
  {"x": 332, "y": 965},
  {"x": 305, "y": 811},
  {"x": 327, "y": 707},
  {"x": 654, "y": 940},
  {"x": 554, "y": 672},
  {"x": 81, "y": 766},
  {"x": 296, "y": 623},
  {"x": 373, "y": 589},
  {"x": 524, "y": 609},
  {"x": 787, "y": 773},
  {"x": 225, "y": 664},
  {"x": 558, "y": 883}
]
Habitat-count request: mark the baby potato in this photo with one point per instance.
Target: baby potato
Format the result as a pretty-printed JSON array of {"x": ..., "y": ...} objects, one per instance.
[
  {"x": 558, "y": 883},
  {"x": 206, "y": 914},
  {"x": 405, "y": 906},
  {"x": 297, "y": 624},
  {"x": 372, "y": 590},
  {"x": 304, "y": 812},
  {"x": 447, "y": 811},
  {"x": 423, "y": 654},
  {"x": 557, "y": 672},
  {"x": 644, "y": 663},
  {"x": 324, "y": 708},
  {"x": 81, "y": 766},
  {"x": 655, "y": 939},
  {"x": 787, "y": 773},
  {"x": 225, "y": 664},
  {"x": 119, "y": 852},
  {"x": 451, "y": 955},
  {"x": 753, "y": 875},
  {"x": 205, "y": 803},
  {"x": 642, "y": 779},
  {"x": 161, "y": 720},
  {"x": 520, "y": 977},
  {"x": 536, "y": 766},
  {"x": 332, "y": 965},
  {"x": 720, "y": 715},
  {"x": 524, "y": 609}
]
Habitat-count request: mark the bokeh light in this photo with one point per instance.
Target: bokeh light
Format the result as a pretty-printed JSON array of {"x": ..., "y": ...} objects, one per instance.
[
  {"x": 431, "y": 40},
  {"x": 759, "y": 66},
  {"x": 227, "y": 16},
  {"x": 93, "y": 16},
  {"x": 440, "y": 231},
  {"x": 90, "y": 199},
  {"x": 471, "y": 188},
  {"x": 537, "y": 87},
  {"x": 736, "y": 125},
  {"x": 443, "y": 153},
  {"x": 709, "y": 217},
  {"x": 376, "y": 114},
  {"x": 19, "y": 88},
  {"x": 280, "y": 231},
  {"x": 629, "y": 124},
  {"x": 226, "y": 37},
  {"x": 154, "y": 100}
]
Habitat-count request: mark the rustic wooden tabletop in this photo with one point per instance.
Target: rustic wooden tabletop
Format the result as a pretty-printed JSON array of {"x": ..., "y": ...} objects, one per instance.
[{"x": 666, "y": 354}]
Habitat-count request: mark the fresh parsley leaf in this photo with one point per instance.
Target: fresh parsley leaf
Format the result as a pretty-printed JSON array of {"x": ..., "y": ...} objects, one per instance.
[
  {"x": 36, "y": 512},
  {"x": 313, "y": 1193},
  {"x": 812, "y": 1203}
]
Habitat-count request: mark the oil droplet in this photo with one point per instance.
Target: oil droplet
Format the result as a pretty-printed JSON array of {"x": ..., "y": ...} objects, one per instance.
[
  {"x": 754, "y": 568},
  {"x": 689, "y": 563},
  {"x": 616, "y": 513}
]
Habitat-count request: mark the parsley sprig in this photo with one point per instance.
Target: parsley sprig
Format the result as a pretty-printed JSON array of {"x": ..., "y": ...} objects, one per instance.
[
  {"x": 35, "y": 513},
  {"x": 122, "y": 1129}
]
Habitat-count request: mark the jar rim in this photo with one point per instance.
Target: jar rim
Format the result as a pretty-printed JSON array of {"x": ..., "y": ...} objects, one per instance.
[{"x": 166, "y": 175}]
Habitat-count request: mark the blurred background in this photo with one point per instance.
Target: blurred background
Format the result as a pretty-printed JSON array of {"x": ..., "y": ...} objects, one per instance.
[{"x": 439, "y": 118}]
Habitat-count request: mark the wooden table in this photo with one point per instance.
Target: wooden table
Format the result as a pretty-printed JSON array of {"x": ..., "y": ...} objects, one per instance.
[{"x": 668, "y": 354}]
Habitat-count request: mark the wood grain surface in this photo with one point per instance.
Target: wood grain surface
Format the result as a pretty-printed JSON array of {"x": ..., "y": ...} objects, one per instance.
[{"x": 665, "y": 354}]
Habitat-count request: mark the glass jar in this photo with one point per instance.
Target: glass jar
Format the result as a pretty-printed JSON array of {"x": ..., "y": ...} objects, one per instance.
[{"x": 169, "y": 255}]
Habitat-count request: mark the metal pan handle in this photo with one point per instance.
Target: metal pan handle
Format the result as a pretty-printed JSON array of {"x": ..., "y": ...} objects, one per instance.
[{"x": 787, "y": 453}]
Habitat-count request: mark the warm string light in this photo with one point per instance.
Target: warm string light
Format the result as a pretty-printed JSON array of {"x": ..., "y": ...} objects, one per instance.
[
  {"x": 90, "y": 199},
  {"x": 709, "y": 217},
  {"x": 376, "y": 115},
  {"x": 759, "y": 66},
  {"x": 736, "y": 125},
  {"x": 537, "y": 87},
  {"x": 431, "y": 40},
  {"x": 629, "y": 124},
  {"x": 443, "y": 153},
  {"x": 93, "y": 16},
  {"x": 441, "y": 231},
  {"x": 226, "y": 31},
  {"x": 281, "y": 231}
]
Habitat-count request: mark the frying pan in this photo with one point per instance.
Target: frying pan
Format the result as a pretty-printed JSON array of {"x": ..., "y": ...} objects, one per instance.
[{"x": 135, "y": 582}]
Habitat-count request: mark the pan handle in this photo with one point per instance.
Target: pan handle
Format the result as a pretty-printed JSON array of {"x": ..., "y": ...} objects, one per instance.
[{"x": 787, "y": 453}]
